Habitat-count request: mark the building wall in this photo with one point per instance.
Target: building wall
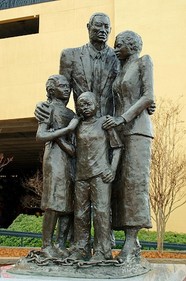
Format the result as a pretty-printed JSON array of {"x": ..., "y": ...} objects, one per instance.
[
  {"x": 162, "y": 27},
  {"x": 27, "y": 61}
]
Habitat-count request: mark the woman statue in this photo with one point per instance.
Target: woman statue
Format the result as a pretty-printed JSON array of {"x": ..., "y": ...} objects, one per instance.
[{"x": 133, "y": 94}]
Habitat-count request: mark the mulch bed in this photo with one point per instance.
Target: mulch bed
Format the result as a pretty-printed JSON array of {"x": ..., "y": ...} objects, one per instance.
[{"x": 21, "y": 252}]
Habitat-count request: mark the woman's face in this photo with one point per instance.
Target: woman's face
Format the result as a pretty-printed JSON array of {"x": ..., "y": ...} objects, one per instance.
[{"x": 122, "y": 48}]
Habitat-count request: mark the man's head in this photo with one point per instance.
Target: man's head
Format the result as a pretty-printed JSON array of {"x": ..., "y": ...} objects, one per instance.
[
  {"x": 99, "y": 28},
  {"x": 86, "y": 104}
]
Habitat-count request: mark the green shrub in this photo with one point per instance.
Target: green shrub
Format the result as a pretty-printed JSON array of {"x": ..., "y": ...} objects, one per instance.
[
  {"x": 28, "y": 223},
  {"x": 23, "y": 223}
]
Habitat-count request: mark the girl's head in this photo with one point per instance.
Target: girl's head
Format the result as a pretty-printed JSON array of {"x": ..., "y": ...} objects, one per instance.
[{"x": 58, "y": 87}]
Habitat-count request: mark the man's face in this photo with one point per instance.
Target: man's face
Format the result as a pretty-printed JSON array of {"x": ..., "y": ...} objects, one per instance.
[{"x": 99, "y": 29}]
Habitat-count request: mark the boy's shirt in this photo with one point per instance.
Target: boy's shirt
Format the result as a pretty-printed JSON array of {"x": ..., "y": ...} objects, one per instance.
[{"x": 93, "y": 145}]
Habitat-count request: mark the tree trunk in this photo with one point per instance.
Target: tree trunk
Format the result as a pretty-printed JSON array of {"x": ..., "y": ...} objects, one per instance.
[{"x": 161, "y": 224}]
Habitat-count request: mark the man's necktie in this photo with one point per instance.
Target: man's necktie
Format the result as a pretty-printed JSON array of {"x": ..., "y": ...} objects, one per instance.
[{"x": 97, "y": 70}]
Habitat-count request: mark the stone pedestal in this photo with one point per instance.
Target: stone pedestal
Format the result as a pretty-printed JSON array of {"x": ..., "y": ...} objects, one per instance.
[{"x": 159, "y": 272}]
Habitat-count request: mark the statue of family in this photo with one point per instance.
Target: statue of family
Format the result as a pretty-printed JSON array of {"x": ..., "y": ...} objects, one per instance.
[{"x": 96, "y": 162}]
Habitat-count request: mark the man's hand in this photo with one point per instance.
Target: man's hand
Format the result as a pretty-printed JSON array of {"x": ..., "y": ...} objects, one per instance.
[
  {"x": 42, "y": 111},
  {"x": 112, "y": 122},
  {"x": 151, "y": 109},
  {"x": 107, "y": 176}
]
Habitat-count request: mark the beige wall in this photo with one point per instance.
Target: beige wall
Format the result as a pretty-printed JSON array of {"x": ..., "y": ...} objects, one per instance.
[
  {"x": 162, "y": 25},
  {"x": 27, "y": 61}
]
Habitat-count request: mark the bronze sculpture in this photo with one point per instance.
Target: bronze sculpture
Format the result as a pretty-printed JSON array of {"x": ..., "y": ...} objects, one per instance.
[
  {"x": 94, "y": 174},
  {"x": 57, "y": 196},
  {"x": 93, "y": 68},
  {"x": 133, "y": 93}
]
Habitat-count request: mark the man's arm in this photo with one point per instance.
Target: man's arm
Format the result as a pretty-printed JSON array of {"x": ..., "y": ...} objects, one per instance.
[{"x": 65, "y": 66}]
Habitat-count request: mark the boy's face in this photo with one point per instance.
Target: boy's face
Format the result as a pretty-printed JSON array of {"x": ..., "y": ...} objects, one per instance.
[
  {"x": 62, "y": 89},
  {"x": 86, "y": 106}
]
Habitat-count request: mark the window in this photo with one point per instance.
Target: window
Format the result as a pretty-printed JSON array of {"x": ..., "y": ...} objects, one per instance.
[
  {"x": 19, "y": 27},
  {"x": 6, "y": 4}
]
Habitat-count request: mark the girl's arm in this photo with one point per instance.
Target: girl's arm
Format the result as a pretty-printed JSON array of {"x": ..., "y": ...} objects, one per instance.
[
  {"x": 65, "y": 146},
  {"x": 43, "y": 134}
]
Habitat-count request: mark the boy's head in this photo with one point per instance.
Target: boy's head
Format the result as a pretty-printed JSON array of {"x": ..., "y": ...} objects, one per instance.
[
  {"x": 58, "y": 87},
  {"x": 86, "y": 104}
]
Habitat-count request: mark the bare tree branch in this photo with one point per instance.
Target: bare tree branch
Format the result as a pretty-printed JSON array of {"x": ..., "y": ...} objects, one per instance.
[
  {"x": 4, "y": 161},
  {"x": 34, "y": 187},
  {"x": 168, "y": 168}
]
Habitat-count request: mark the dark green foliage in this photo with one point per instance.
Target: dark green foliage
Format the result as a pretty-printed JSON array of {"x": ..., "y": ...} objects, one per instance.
[
  {"x": 24, "y": 223},
  {"x": 151, "y": 236},
  {"x": 28, "y": 223}
]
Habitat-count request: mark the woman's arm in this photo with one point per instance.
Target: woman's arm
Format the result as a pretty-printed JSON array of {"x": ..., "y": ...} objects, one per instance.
[
  {"x": 147, "y": 93},
  {"x": 146, "y": 99}
]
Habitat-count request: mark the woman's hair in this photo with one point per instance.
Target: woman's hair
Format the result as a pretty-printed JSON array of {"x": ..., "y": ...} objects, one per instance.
[{"x": 132, "y": 39}]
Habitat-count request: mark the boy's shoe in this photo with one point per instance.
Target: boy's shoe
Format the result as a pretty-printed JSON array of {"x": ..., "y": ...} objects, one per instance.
[
  {"x": 99, "y": 256},
  {"x": 49, "y": 252},
  {"x": 61, "y": 253},
  {"x": 79, "y": 254}
]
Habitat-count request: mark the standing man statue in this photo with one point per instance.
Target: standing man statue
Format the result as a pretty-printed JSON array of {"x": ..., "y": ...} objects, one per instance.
[{"x": 92, "y": 67}]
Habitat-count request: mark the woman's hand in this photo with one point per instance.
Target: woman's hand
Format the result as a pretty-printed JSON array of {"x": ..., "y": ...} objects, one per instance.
[
  {"x": 151, "y": 109},
  {"x": 112, "y": 122}
]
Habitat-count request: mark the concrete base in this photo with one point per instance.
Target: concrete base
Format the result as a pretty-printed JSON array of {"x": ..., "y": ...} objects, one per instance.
[{"x": 159, "y": 272}]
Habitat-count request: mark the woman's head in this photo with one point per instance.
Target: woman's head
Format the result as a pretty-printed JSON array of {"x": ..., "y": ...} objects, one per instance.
[{"x": 127, "y": 43}]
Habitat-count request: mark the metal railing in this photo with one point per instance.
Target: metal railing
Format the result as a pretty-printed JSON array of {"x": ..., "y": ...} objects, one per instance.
[
  {"x": 21, "y": 235},
  {"x": 144, "y": 244},
  {"x": 153, "y": 245}
]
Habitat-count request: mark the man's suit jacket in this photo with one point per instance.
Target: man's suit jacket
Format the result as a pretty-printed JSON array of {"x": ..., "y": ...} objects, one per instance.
[{"x": 76, "y": 65}]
